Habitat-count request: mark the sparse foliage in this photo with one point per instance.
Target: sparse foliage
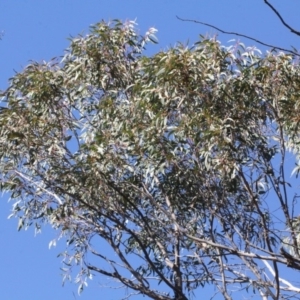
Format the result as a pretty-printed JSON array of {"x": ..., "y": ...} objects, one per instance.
[{"x": 177, "y": 161}]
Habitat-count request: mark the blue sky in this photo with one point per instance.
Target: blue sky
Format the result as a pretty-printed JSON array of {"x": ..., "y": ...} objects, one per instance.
[{"x": 38, "y": 30}]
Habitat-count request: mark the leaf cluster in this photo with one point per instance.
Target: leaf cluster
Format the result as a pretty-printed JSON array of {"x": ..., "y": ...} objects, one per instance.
[{"x": 168, "y": 158}]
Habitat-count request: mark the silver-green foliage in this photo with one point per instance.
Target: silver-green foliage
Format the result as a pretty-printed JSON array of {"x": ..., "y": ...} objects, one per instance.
[{"x": 176, "y": 160}]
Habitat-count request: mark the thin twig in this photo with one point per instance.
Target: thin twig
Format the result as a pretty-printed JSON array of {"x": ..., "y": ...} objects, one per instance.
[
  {"x": 281, "y": 18},
  {"x": 239, "y": 34}
]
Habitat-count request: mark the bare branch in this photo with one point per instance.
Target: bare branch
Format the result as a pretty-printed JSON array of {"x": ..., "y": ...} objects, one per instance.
[
  {"x": 129, "y": 283},
  {"x": 281, "y": 18},
  {"x": 290, "y": 286},
  {"x": 241, "y": 35},
  {"x": 237, "y": 252}
]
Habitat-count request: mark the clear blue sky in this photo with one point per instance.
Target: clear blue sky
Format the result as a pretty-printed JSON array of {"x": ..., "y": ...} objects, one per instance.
[{"x": 38, "y": 30}]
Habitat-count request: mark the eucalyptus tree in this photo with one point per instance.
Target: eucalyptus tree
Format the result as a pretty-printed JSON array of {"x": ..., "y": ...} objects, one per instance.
[{"x": 165, "y": 173}]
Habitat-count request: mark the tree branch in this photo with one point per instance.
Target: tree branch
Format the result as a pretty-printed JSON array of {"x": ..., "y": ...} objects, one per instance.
[
  {"x": 281, "y": 18},
  {"x": 128, "y": 283},
  {"x": 290, "y": 286},
  {"x": 241, "y": 35}
]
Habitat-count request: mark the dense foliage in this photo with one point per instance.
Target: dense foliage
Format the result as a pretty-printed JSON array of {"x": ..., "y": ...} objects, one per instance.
[{"x": 177, "y": 161}]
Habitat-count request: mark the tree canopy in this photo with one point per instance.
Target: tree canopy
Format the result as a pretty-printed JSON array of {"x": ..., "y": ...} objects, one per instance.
[{"x": 176, "y": 161}]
